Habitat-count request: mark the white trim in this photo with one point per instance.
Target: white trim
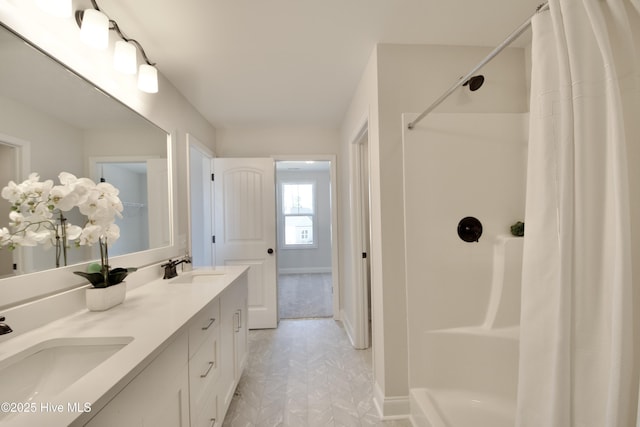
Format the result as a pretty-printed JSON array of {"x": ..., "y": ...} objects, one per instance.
[
  {"x": 94, "y": 160},
  {"x": 282, "y": 234},
  {"x": 22, "y": 149},
  {"x": 23, "y": 154},
  {"x": 392, "y": 407},
  {"x": 361, "y": 327},
  {"x": 304, "y": 270},
  {"x": 335, "y": 267},
  {"x": 186, "y": 246},
  {"x": 348, "y": 328}
]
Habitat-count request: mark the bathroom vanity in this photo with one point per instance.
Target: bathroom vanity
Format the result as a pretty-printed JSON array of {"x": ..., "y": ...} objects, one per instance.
[{"x": 171, "y": 355}]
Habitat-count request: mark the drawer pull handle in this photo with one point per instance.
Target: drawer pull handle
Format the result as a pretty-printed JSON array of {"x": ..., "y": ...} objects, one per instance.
[
  {"x": 213, "y": 422},
  {"x": 211, "y": 322},
  {"x": 211, "y": 365}
]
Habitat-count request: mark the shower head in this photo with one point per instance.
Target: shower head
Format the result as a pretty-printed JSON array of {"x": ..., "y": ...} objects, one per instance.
[{"x": 474, "y": 82}]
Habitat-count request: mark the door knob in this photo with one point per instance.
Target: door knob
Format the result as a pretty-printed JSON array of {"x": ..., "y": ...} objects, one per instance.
[{"x": 270, "y": 251}]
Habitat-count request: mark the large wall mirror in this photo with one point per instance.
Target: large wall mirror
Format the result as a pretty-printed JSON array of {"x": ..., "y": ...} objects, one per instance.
[{"x": 52, "y": 120}]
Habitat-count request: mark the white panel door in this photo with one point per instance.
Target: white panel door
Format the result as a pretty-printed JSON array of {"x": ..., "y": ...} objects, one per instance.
[{"x": 245, "y": 230}]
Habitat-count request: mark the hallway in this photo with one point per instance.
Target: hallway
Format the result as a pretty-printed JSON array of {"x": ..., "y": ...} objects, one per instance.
[
  {"x": 305, "y": 295},
  {"x": 305, "y": 373}
]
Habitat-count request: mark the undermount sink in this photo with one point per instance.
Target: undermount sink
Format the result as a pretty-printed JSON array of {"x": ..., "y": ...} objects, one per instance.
[
  {"x": 198, "y": 276},
  {"x": 51, "y": 366}
]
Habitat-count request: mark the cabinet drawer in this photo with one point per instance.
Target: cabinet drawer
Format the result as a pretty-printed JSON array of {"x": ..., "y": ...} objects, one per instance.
[
  {"x": 203, "y": 371},
  {"x": 208, "y": 414},
  {"x": 204, "y": 323}
]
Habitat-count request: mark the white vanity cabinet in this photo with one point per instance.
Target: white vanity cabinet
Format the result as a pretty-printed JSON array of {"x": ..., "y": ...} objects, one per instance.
[
  {"x": 192, "y": 381},
  {"x": 158, "y": 396},
  {"x": 204, "y": 366},
  {"x": 233, "y": 338}
]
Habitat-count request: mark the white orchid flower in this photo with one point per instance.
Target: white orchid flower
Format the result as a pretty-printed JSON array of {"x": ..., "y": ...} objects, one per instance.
[
  {"x": 67, "y": 178},
  {"x": 90, "y": 235},
  {"x": 12, "y": 192},
  {"x": 73, "y": 232},
  {"x": 36, "y": 216},
  {"x": 16, "y": 219},
  {"x": 64, "y": 197},
  {"x": 5, "y": 236},
  {"x": 32, "y": 238},
  {"x": 111, "y": 233}
]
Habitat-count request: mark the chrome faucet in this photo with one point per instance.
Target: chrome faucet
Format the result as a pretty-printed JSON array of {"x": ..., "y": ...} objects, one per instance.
[
  {"x": 170, "y": 267},
  {"x": 4, "y": 328}
]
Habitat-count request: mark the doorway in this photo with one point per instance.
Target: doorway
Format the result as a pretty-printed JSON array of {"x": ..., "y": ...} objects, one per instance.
[
  {"x": 15, "y": 164},
  {"x": 7, "y": 173},
  {"x": 201, "y": 213},
  {"x": 361, "y": 235},
  {"x": 305, "y": 241}
]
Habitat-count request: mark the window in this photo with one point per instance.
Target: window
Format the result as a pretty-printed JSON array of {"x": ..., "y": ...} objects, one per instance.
[{"x": 298, "y": 209}]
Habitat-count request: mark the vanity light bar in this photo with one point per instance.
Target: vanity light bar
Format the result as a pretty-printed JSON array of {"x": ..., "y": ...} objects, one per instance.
[{"x": 94, "y": 31}]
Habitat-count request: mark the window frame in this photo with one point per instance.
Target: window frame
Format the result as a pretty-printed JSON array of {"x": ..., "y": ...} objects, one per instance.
[{"x": 313, "y": 215}]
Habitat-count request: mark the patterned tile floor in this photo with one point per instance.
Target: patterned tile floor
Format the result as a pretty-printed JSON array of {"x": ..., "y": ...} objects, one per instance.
[
  {"x": 305, "y": 295},
  {"x": 305, "y": 374}
]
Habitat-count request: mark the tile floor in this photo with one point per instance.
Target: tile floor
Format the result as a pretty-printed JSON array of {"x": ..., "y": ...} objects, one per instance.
[
  {"x": 305, "y": 374},
  {"x": 305, "y": 295}
]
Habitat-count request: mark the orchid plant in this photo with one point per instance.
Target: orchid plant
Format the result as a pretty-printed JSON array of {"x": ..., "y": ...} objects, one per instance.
[{"x": 37, "y": 217}]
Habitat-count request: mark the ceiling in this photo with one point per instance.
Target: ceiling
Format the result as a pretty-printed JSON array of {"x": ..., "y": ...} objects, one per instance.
[{"x": 295, "y": 62}]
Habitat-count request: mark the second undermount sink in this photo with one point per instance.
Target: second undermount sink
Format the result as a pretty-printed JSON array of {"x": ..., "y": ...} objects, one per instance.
[
  {"x": 51, "y": 366},
  {"x": 198, "y": 276}
]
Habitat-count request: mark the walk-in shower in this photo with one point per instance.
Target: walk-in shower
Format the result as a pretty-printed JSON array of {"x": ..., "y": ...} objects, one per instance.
[{"x": 463, "y": 276}]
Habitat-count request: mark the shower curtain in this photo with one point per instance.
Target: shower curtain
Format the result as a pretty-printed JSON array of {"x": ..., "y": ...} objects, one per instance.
[{"x": 581, "y": 265}]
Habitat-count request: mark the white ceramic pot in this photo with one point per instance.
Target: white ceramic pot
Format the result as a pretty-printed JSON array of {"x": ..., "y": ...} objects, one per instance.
[{"x": 100, "y": 299}]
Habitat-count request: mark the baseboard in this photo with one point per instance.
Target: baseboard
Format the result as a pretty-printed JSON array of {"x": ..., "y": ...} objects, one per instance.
[
  {"x": 392, "y": 407},
  {"x": 304, "y": 270},
  {"x": 348, "y": 327}
]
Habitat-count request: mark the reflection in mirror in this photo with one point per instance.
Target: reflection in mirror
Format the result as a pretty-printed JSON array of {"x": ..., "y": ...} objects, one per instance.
[{"x": 51, "y": 120}]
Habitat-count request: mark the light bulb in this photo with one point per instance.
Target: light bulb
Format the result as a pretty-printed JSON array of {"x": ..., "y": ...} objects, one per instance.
[
  {"x": 95, "y": 29},
  {"x": 124, "y": 57},
  {"x": 148, "y": 78}
]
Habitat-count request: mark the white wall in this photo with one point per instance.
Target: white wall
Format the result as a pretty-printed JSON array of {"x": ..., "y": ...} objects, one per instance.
[
  {"x": 363, "y": 111},
  {"x": 124, "y": 142},
  {"x": 270, "y": 141},
  {"x": 455, "y": 166},
  {"x": 409, "y": 78},
  {"x": 55, "y": 146}
]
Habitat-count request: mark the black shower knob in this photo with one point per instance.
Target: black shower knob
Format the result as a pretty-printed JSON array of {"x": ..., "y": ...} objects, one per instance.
[{"x": 470, "y": 229}]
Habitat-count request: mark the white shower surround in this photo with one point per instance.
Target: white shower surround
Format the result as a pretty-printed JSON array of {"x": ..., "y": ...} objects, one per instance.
[{"x": 463, "y": 317}]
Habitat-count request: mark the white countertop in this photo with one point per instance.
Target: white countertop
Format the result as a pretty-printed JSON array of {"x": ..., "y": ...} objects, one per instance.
[{"x": 152, "y": 314}]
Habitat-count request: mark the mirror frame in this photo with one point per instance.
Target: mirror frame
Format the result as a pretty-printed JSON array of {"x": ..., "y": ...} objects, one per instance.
[{"x": 29, "y": 287}]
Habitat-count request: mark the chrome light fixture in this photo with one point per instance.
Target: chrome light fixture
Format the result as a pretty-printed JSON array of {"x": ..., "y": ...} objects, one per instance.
[
  {"x": 97, "y": 25},
  {"x": 59, "y": 8}
]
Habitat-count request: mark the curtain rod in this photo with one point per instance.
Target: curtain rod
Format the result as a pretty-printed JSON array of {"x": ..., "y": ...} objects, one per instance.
[{"x": 514, "y": 35}]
